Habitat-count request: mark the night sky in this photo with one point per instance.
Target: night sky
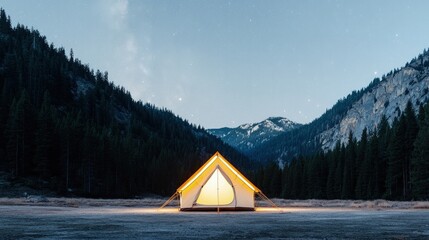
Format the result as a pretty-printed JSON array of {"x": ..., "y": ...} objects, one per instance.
[{"x": 224, "y": 63}]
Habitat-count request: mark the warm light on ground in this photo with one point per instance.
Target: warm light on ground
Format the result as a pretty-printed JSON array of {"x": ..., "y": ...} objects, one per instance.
[
  {"x": 269, "y": 210},
  {"x": 176, "y": 210},
  {"x": 147, "y": 210},
  {"x": 138, "y": 210},
  {"x": 170, "y": 210}
]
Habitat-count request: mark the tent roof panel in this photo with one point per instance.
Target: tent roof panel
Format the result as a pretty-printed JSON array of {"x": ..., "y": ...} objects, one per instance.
[{"x": 220, "y": 160}]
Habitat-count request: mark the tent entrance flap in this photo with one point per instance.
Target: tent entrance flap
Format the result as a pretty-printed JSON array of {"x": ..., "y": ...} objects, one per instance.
[{"x": 217, "y": 191}]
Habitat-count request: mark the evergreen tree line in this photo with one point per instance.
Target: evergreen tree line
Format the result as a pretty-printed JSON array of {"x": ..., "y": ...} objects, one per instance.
[
  {"x": 71, "y": 130},
  {"x": 391, "y": 162}
]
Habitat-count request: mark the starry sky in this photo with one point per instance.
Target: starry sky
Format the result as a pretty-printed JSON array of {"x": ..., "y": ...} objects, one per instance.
[{"x": 224, "y": 63}]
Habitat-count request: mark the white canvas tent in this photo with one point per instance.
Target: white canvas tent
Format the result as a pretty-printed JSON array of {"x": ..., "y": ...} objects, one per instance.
[{"x": 217, "y": 185}]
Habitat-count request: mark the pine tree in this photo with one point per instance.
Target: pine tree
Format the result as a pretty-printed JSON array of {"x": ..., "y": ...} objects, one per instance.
[
  {"x": 19, "y": 135},
  {"x": 420, "y": 158},
  {"x": 410, "y": 137},
  {"x": 44, "y": 138},
  {"x": 330, "y": 181},
  {"x": 13, "y": 133},
  {"x": 316, "y": 177},
  {"x": 362, "y": 166},
  {"x": 394, "y": 179},
  {"x": 383, "y": 134},
  {"x": 275, "y": 184},
  {"x": 5, "y": 24},
  {"x": 371, "y": 156},
  {"x": 349, "y": 178},
  {"x": 287, "y": 179},
  {"x": 298, "y": 169},
  {"x": 340, "y": 157}
]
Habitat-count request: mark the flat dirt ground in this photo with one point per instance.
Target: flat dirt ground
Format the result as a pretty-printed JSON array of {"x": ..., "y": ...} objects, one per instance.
[{"x": 118, "y": 222}]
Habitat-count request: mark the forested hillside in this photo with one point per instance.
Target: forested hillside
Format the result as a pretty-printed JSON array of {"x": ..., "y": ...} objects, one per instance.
[
  {"x": 74, "y": 131},
  {"x": 391, "y": 162}
]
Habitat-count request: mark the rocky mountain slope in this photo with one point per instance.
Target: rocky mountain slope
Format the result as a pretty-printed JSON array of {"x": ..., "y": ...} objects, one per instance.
[
  {"x": 248, "y": 136},
  {"x": 361, "y": 109},
  {"x": 389, "y": 98}
]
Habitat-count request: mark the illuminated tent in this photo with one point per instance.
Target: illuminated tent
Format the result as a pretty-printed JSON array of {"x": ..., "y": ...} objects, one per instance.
[{"x": 217, "y": 185}]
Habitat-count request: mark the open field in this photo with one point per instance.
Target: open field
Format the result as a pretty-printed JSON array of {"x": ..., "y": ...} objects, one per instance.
[{"x": 105, "y": 220}]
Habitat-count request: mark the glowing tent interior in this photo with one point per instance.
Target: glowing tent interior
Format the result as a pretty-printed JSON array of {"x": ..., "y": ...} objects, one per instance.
[{"x": 217, "y": 185}]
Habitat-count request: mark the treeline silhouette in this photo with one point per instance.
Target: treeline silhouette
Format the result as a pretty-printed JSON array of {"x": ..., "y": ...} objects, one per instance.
[{"x": 389, "y": 162}]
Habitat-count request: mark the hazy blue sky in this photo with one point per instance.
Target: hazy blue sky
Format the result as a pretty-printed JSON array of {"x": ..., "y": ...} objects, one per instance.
[{"x": 224, "y": 63}]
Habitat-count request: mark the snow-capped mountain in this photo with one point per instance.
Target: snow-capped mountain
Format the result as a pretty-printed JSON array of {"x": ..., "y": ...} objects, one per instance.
[{"x": 250, "y": 135}]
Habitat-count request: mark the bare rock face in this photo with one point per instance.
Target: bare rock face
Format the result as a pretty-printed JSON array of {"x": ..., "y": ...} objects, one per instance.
[
  {"x": 389, "y": 98},
  {"x": 352, "y": 114}
]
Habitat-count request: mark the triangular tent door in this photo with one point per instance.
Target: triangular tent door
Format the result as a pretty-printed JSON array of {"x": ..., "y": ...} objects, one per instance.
[
  {"x": 218, "y": 190},
  {"x": 217, "y": 185}
]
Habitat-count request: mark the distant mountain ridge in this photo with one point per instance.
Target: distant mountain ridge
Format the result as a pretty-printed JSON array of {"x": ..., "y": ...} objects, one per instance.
[
  {"x": 359, "y": 110},
  {"x": 250, "y": 135}
]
